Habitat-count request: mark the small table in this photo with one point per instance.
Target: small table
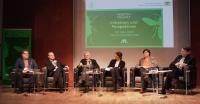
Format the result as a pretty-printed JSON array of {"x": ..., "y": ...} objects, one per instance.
[
  {"x": 154, "y": 72},
  {"x": 157, "y": 72}
]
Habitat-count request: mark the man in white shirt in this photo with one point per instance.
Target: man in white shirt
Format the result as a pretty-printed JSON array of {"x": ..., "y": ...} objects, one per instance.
[
  {"x": 115, "y": 68},
  {"x": 86, "y": 66},
  {"x": 182, "y": 62},
  {"x": 56, "y": 69}
]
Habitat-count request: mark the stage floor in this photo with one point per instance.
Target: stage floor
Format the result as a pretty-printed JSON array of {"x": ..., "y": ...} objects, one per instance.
[{"x": 75, "y": 97}]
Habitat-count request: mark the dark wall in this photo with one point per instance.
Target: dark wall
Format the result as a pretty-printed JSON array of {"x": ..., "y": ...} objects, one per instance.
[
  {"x": 1, "y": 22},
  {"x": 18, "y": 13},
  {"x": 52, "y": 24},
  {"x": 195, "y": 34}
]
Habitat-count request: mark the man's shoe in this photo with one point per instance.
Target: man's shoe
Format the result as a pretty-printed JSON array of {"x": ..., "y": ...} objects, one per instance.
[
  {"x": 30, "y": 90},
  {"x": 85, "y": 91},
  {"x": 19, "y": 92},
  {"x": 163, "y": 97},
  {"x": 163, "y": 92}
]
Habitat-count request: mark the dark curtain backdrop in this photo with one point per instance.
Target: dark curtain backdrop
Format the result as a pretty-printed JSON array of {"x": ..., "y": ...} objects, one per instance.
[{"x": 195, "y": 33}]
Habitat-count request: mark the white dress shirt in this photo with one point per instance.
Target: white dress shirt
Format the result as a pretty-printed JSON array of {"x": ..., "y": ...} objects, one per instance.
[{"x": 117, "y": 63}]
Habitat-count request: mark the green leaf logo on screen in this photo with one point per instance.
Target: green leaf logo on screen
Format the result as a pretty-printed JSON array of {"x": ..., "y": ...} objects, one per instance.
[{"x": 157, "y": 28}]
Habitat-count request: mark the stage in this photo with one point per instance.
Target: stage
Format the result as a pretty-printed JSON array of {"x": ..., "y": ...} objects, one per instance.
[{"x": 73, "y": 96}]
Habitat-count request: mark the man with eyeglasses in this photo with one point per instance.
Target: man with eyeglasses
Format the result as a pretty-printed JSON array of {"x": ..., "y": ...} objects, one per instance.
[{"x": 24, "y": 68}]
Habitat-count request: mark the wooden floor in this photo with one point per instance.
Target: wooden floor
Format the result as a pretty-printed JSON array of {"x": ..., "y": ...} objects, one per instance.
[{"x": 73, "y": 96}]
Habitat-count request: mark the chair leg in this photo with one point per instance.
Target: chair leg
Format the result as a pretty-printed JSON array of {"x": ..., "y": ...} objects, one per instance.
[{"x": 186, "y": 83}]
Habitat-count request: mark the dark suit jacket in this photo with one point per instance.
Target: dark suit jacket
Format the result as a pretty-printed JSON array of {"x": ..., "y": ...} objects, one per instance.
[
  {"x": 189, "y": 60},
  {"x": 94, "y": 63},
  {"x": 50, "y": 67},
  {"x": 19, "y": 65},
  {"x": 120, "y": 66},
  {"x": 84, "y": 62}
]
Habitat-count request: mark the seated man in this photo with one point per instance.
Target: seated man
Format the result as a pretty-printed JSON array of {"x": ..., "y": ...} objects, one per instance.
[
  {"x": 24, "y": 68},
  {"x": 56, "y": 70},
  {"x": 116, "y": 68},
  {"x": 182, "y": 62},
  {"x": 146, "y": 64},
  {"x": 86, "y": 67}
]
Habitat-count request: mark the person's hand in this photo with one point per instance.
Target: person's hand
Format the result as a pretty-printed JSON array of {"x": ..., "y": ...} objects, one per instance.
[
  {"x": 25, "y": 70},
  {"x": 185, "y": 66},
  {"x": 177, "y": 64},
  {"x": 108, "y": 69},
  {"x": 67, "y": 66},
  {"x": 182, "y": 66},
  {"x": 55, "y": 69},
  {"x": 80, "y": 64},
  {"x": 111, "y": 67}
]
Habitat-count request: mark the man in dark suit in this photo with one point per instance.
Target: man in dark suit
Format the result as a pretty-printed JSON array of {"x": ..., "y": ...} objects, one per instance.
[
  {"x": 25, "y": 67},
  {"x": 182, "y": 62},
  {"x": 86, "y": 66},
  {"x": 56, "y": 70},
  {"x": 116, "y": 68}
]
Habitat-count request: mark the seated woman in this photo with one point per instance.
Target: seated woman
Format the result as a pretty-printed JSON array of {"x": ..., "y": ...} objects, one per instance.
[
  {"x": 145, "y": 65},
  {"x": 86, "y": 66},
  {"x": 115, "y": 68}
]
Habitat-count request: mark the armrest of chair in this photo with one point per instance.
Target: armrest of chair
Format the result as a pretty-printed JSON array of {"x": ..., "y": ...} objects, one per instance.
[
  {"x": 76, "y": 75},
  {"x": 13, "y": 77},
  {"x": 76, "y": 70},
  {"x": 13, "y": 71},
  {"x": 187, "y": 75},
  {"x": 125, "y": 69},
  {"x": 102, "y": 69},
  {"x": 133, "y": 71},
  {"x": 44, "y": 69},
  {"x": 66, "y": 71},
  {"x": 124, "y": 77}
]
